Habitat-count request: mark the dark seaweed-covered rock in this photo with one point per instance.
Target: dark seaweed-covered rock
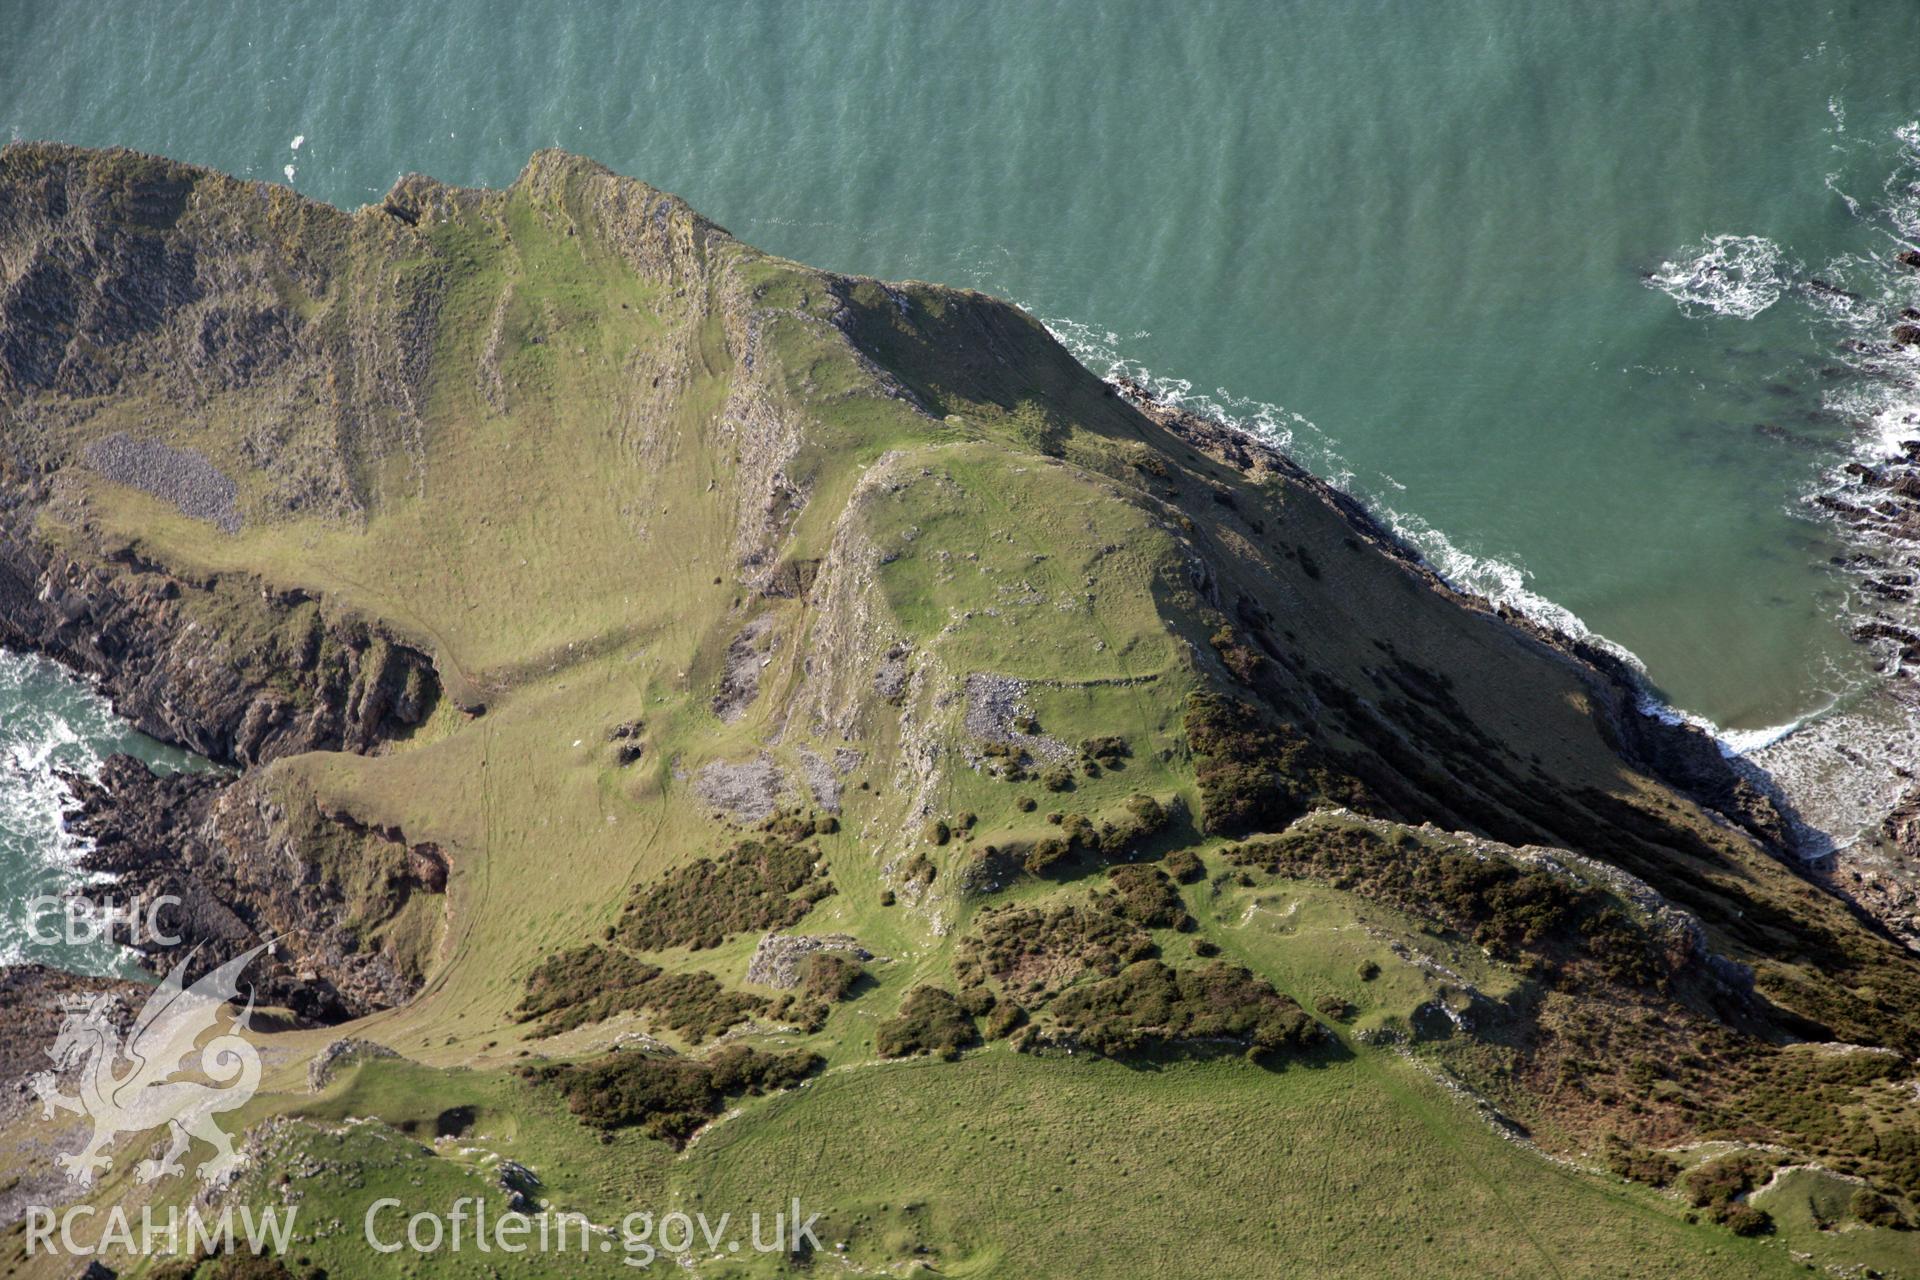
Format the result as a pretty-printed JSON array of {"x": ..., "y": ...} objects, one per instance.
[{"x": 243, "y": 865}]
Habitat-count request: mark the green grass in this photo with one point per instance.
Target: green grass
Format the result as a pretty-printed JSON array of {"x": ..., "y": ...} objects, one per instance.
[
  {"x": 1350, "y": 1165},
  {"x": 617, "y": 405}
]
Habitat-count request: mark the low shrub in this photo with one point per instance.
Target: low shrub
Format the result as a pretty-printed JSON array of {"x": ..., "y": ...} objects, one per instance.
[
  {"x": 829, "y": 975},
  {"x": 1108, "y": 751},
  {"x": 1006, "y": 1018},
  {"x": 919, "y": 871},
  {"x": 1876, "y": 1210},
  {"x": 1246, "y": 663},
  {"x": 669, "y": 1096},
  {"x": 1112, "y": 837},
  {"x": 1255, "y": 774},
  {"x": 1184, "y": 866},
  {"x": 768, "y": 882},
  {"x": 1146, "y": 895},
  {"x": 1040, "y": 950},
  {"x": 1148, "y": 1004},
  {"x": 1639, "y": 1164},
  {"x": 591, "y": 984},
  {"x": 1716, "y": 1188},
  {"x": 930, "y": 1021},
  {"x": 1333, "y": 1006}
]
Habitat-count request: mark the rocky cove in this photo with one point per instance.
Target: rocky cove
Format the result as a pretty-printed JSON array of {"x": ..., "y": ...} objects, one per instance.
[{"x": 244, "y": 676}]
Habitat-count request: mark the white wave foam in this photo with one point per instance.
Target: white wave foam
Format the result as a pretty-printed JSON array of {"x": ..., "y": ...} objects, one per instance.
[
  {"x": 52, "y": 724},
  {"x": 1886, "y": 414},
  {"x": 1843, "y": 770},
  {"x": 1727, "y": 275},
  {"x": 37, "y": 741},
  {"x": 1099, "y": 350},
  {"x": 299, "y": 140},
  {"x": 1796, "y": 756},
  {"x": 1504, "y": 582},
  {"x": 1747, "y": 742},
  {"x": 1833, "y": 185}
]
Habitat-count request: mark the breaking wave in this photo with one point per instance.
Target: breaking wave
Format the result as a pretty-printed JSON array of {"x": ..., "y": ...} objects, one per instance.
[
  {"x": 1726, "y": 275},
  {"x": 1501, "y": 581},
  {"x": 51, "y": 724}
]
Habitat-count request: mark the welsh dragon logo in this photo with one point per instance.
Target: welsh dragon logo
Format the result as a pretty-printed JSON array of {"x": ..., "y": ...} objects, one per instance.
[{"x": 147, "y": 1091}]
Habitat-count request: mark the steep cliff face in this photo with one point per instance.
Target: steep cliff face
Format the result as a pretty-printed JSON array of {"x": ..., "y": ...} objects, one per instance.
[
  {"x": 582, "y": 592},
  {"x": 354, "y": 913},
  {"x": 229, "y": 667},
  {"x": 180, "y": 291}
]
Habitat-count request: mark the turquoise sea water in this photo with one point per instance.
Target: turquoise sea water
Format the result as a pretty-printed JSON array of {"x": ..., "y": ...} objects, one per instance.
[
  {"x": 1410, "y": 237},
  {"x": 51, "y": 722}
]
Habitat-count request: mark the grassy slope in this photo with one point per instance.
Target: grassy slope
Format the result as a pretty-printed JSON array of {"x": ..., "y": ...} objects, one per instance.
[
  {"x": 1011, "y": 1165},
  {"x": 566, "y": 537},
  {"x": 1357, "y": 1162}
]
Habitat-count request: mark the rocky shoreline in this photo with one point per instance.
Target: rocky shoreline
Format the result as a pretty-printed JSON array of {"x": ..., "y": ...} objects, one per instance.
[
  {"x": 1879, "y": 874},
  {"x": 1876, "y": 504},
  {"x": 1681, "y": 754},
  {"x": 243, "y": 675},
  {"x": 229, "y": 669},
  {"x": 237, "y": 866}
]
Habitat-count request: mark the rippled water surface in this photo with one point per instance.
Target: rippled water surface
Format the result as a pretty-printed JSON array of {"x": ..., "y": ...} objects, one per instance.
[
  {"x": 1549, "y": 283},
  {"x": 53, "y": 725}
]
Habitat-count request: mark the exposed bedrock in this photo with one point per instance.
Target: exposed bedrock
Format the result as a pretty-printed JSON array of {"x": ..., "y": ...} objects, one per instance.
[
  {"x": 238, "y": 673},
  {"x": 354, "y": 910}
]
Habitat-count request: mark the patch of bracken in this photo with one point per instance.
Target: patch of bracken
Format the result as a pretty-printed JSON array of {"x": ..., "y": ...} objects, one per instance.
[
  {"x": 666, "y": 1095},
  {"x": 592, "y": 984},
  {"x": 769, "y": 880}
]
